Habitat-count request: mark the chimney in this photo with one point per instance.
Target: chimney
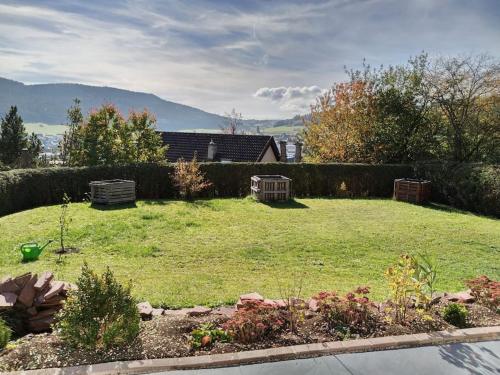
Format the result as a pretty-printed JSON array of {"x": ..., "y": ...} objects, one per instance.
[
  {"x": 283, "y": 151},
  {"x": 212, "y": 150},
  {"x": 298, "y": 152}
]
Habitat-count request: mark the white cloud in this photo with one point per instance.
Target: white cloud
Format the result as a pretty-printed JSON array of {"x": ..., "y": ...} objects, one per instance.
[
  {"x": 214, "y": 55},
  {"x": 291, "y": 99}
]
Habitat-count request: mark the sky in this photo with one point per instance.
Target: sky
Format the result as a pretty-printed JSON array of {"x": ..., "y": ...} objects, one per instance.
[{"x": 266, "y": 59}]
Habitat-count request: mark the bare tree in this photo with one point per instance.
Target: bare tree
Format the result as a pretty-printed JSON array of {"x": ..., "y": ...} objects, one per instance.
[
  {"x": 467, "y": 90},
  {"x": 232, "y": 123}
]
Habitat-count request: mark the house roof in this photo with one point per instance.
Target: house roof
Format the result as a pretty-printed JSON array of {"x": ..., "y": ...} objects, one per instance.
[{"x": 237, "y": 147}]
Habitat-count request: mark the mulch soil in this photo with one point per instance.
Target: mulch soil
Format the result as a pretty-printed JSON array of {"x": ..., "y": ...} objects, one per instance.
[{"x": 169, "y": 335}]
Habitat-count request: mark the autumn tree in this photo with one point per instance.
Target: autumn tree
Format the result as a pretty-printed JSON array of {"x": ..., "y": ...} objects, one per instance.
[
  {"x": 447, "y": 109},
  {"x": 189, "y": 179},
  {"x": 339, "y": 126}
]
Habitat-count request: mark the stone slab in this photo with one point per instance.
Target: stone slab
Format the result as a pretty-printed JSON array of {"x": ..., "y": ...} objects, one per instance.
[{"x": 7, "y": 299}]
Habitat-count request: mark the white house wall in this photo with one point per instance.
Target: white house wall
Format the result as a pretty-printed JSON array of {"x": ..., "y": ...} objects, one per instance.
[{"x": 269, "y": 156}]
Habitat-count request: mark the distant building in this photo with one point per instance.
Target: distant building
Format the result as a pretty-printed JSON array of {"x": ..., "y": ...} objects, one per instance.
[{"x": 221, "y": 147}]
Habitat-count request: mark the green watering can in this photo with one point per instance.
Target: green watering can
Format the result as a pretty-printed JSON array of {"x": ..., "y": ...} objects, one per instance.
[{"x": 31, "y": 250}]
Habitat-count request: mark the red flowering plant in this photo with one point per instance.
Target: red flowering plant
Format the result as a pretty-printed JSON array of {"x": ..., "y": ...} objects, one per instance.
[
  {"x": 486, "y": 291},
  {"x": 254, "y": 321},
  {"x": 352, "y": 313}
]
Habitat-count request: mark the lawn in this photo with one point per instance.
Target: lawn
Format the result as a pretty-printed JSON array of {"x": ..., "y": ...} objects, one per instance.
[{"x": 210, "y": 251}]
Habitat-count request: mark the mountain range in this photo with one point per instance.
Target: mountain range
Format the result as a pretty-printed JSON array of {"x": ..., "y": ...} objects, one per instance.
[{"x": 48, "y": 103}]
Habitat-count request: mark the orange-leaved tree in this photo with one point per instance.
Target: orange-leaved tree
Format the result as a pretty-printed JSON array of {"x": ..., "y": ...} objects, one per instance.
[
  {"x": 189, "y": 179},
  {"x": 340, "y": 125}
]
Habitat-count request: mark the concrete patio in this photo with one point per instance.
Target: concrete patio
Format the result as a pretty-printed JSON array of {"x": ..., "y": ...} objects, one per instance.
[{"x": 480, "y": 358}]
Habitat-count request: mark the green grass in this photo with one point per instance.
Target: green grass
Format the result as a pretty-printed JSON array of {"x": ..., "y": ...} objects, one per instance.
[
  {"x": 277, "y": 130},
  {"x": 209, "y": 251}
]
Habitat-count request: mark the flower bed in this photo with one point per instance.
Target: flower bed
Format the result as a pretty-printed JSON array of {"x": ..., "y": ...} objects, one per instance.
[
  {"x": 99, "y": 320},
  {"x": 261, "y": 323}
]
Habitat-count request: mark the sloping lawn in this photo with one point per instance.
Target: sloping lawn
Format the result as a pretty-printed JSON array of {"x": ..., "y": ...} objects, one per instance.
[{"x": 210, "y": 251}]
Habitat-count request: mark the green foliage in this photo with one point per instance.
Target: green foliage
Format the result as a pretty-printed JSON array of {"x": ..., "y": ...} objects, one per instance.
[
  {"x": 403, "y": 286},
  {"x": 13, "y": 139},
  {"x": 207, "y": 334},
  {"x": 99, "y": 314},
  {"x": 473, "y": 187},
  {"x": 426, "y": 272},
  {"x": 3, "y": 167},
  {"x": 456, "y": 314},
  {"x": 70, "y": 145},
  {"x": 5, "y": 334},
  {"x": 106, "y": 138},
  {"x": 34, "y": 148},
  {"x": 406, "y": 127},
  {"x": 23, "y": 189},
  {"x": 444, "y": 109},
  {"x": 466, "y": 93}
]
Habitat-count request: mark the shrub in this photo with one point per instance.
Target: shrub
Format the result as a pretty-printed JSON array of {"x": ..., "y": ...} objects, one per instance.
[
  {"x": 351, "y": 313},
  {"x": 27, "y": 188},
  {"x": 403, "y": 286},
  {"x": 486, "y": 291},
  {"x": 456, "y": 314},
  {"x": 189, "y": 179},
  {"x": 254, "y": 321},
  {"x": 5, "y": 333},
  {"x": 474, "y": 187},
  {"x": 207, "y": 334},
  {"x": 426, "y": 272},
  {"x": 99, "y": 314}
]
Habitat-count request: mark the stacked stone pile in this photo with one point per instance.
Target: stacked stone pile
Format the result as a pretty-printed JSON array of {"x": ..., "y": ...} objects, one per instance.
[{"x": 35, "y": 299}]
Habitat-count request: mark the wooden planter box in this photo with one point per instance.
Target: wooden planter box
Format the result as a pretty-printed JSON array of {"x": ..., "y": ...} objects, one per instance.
[
  {"x": 412, "y": 190},
  {"x": 271, "y": 187},
  {"x": 112, "y": 191}
]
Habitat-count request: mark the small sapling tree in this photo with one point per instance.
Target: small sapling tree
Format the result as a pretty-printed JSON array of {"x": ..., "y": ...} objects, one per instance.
[
  {"x": 189, "y": 179},
  {"x": 64, "y": 221}
]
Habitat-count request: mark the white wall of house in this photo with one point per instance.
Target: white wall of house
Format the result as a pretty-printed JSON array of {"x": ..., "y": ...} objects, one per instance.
[{"x": 269, "y": 156}]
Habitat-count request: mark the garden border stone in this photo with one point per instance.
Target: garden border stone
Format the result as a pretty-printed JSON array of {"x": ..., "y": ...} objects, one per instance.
[{"x": 278, "y": 354}]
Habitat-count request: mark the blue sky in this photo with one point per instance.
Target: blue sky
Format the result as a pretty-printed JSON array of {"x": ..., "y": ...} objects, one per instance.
[{"x": 267, "y": 59}]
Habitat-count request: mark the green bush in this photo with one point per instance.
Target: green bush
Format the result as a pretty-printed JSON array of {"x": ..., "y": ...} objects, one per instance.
[
  {"x": 28, "y": 188},
  {"x": 5, "y": 333},
  {"x": 99, "y": 314},
  {"x": 456, "y": 314},
  {"x": 207, "y": 334},
  {"x": 473, "y": 187}
]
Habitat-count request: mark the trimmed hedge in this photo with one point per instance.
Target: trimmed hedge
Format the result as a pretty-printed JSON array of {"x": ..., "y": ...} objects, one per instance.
[
  {"x": 27, "y": 188},
  {"x": 473, "y": 187}
]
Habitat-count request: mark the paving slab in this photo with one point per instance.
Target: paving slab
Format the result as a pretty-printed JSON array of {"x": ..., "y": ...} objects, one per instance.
[
  {"x": 312, "y": 366},
  {"x": 480, "y": 358},
  {"x": 474, "y": 358}
]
